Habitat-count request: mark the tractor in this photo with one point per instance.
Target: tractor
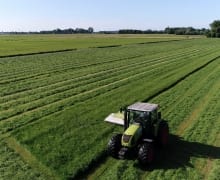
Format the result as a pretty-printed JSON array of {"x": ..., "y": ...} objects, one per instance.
[{"x": 143, "y": 130}]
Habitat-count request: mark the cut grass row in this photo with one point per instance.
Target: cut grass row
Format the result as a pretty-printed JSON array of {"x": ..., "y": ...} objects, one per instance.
[
  {"x": 61, "y": 61},
  {"x": 80, "y": 58},
  {"x": 106, "y": 78},
  {"x": 66, "y": 122},
  {"x": 66, "y": 126},
  {"x": 57, "y": 102}
]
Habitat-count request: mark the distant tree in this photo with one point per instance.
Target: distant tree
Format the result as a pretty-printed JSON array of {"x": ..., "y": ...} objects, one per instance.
[
  {"x": 215, "y": 25},
  {"x": 90, "y": 30},
  {"x": 215, "y": 29}
]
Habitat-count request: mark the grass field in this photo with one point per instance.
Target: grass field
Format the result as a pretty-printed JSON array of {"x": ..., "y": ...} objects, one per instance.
[
  {"x": 52, "y": 107},
  {"x": 31, "y": 44}
]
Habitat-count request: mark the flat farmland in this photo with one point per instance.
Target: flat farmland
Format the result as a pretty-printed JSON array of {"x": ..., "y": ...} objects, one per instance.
[
  {"x": 52, "y": 107},
  {"x": 14, "y": 45}
]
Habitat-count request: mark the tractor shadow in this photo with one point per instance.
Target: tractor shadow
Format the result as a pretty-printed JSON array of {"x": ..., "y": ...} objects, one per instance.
[{"x": 178, "y": 153}]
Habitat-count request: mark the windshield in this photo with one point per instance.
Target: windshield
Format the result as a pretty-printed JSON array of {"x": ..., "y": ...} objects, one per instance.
[{"x": 137, "y": 116}]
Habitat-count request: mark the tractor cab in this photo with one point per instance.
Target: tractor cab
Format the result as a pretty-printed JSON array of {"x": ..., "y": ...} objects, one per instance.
[
  {"x": 143, "y": 127},
  {"x": 143, "y": 113}
]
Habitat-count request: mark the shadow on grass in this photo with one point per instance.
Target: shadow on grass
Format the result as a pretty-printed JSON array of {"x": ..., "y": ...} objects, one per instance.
[{"x": 178, "y": 153}]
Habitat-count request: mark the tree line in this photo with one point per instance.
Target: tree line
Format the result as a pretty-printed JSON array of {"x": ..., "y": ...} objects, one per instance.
[
  {"x": 214, "y": 32},
  {"x": 69, "y": 31}
]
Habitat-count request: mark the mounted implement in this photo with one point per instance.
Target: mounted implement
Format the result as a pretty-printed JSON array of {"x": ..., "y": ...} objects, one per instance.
[{"x": 143, "y": 128}]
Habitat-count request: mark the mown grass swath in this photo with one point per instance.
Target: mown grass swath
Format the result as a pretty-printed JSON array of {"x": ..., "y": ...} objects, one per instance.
[
  {"x": 31, "y": 44},
  {"x": 55, "y": 104}
]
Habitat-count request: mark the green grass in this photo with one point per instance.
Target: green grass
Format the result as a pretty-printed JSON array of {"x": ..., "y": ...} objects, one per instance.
[
  {"x": 12, "y": 165},
  {"x": 54, "y": 106},
  {"x": 25, "y": 44}
]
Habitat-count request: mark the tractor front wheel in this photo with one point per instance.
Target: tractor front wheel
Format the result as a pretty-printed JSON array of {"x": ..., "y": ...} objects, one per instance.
[
  {"x": 114, "y": 145},
  {"x": 146, "y": 154}
]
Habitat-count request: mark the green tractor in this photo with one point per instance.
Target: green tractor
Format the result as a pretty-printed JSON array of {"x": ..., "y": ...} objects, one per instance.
[{"x": 143, "y": 128}]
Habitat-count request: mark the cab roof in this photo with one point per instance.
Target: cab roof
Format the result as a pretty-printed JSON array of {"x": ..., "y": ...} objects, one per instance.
[{"x": 140, "y": 106}]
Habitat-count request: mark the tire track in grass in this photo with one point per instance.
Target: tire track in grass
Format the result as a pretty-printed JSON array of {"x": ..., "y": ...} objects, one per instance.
[{"x": 30, "y": 159}]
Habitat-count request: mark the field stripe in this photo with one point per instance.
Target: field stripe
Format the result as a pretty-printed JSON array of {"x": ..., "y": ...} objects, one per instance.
[{"x": 30, "y": 159}]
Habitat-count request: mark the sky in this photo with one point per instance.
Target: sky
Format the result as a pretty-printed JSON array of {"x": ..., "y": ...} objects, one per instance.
[{"x": 36, "y": 15}]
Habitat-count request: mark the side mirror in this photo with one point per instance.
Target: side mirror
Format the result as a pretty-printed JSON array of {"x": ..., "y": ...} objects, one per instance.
[{"x": 159, "y": 115}]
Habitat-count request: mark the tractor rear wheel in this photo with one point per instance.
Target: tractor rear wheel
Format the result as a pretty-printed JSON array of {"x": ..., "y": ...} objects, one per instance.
[
  {"x": 114, "y": 145},
  {"x": 146, "y": 154},
  {"x": 163, "y": 133}
]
